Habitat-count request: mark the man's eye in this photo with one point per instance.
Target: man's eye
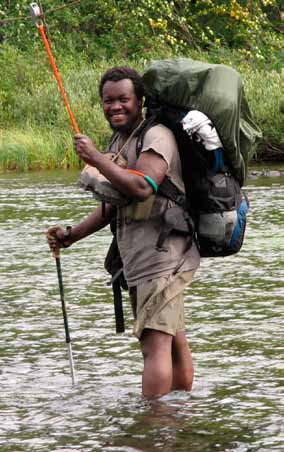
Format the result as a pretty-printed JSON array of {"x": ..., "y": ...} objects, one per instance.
[
  {"x": 107, "y": 102},
  {"x": 124, "y": 99}
]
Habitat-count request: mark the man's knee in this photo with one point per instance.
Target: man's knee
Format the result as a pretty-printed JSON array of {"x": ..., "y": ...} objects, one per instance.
[
  {"x": 154, "y": 343},
  {"x": 180, "y": 346}
]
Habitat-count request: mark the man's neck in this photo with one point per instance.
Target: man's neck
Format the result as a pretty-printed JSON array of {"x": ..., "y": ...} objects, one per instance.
[{"x": 125, "y": 134}]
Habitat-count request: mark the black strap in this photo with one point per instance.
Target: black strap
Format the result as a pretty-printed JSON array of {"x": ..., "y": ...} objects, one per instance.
[
  {"x": 176, "y": 220},
  {"x": 141, "y": 132},
  {"x": 118, "y": 307},
  {"x": 113, "y": 265},
  {"x": 169, "y": 190}
]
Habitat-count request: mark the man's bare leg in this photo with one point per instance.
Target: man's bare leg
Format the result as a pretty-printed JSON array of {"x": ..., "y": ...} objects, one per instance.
[
  {"x": 182, "y": 363},
  {"x": 157, "y": 376}
]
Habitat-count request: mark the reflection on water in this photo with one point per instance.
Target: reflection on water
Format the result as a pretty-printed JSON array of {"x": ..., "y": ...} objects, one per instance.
[{"x": 234, "y": 313}]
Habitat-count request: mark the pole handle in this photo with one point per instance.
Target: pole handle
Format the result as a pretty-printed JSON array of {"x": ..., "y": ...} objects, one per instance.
[
  {"x": 56, "y": 251},
  {"x": 35, "y": 13}
]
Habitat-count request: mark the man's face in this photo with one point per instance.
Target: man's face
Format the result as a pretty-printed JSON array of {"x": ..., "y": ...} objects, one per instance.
[{"x": 121, "y": 107}]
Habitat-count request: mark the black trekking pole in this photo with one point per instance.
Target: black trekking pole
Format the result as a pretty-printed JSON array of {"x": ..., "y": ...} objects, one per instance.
[{"x": 56, "y": 255}]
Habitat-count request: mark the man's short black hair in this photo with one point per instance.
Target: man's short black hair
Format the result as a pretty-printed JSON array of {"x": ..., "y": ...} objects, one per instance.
[{"x": 118, "y": 73}]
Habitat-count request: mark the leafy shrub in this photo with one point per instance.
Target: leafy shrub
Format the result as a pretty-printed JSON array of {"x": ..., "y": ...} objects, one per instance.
[
  {"x": 131, "y": 28},
  {"x": 88, "y": 36}
]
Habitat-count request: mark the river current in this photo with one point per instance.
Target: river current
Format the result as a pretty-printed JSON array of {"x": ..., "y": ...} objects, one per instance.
[{"x": 234, "y": 314}]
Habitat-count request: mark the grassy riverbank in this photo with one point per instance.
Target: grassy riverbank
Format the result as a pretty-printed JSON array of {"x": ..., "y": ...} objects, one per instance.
[{"x": 35, "y": 131}]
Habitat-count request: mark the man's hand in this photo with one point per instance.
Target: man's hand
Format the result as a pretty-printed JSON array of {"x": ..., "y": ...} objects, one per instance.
[
  {"x": 84, "y": 148},
  {"x": 56, "y": 238}
]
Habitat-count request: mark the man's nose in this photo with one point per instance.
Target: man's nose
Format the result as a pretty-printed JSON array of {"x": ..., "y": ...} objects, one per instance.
[{"x": 116, "y": 105}]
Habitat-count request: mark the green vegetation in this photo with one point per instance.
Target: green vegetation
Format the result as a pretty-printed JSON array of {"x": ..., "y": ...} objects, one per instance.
[{"x": 89, "y": 37}]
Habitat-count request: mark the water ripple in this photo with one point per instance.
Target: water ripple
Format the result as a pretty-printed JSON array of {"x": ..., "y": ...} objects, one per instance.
[{"x": 233, "y": 313}]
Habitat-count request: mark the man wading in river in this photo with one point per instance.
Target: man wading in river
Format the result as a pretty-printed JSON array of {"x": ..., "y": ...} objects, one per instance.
[{"x": 156, "y": 278}]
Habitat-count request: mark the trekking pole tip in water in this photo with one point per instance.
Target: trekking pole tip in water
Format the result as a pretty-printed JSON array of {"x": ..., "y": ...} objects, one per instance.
[{"x": 56, "y": 254}]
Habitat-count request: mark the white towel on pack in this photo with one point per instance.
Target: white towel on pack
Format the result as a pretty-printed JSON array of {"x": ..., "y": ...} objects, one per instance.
[{"x": 197, "y": 122}]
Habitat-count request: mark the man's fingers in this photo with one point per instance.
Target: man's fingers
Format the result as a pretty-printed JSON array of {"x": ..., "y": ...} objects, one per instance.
[
  {"x": 78, "y": 136},
  {"x": 54, "y": 236},
  {"x": 53, "y": 244},
  {"x": 52, "y": 241}
]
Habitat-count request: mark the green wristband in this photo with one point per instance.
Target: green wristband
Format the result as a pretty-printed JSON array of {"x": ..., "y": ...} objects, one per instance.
[{"x": 152, "y": 183}]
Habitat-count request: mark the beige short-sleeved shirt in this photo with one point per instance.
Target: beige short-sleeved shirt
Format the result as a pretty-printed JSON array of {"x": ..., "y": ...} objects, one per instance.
[{"x": 138, "y": 234}]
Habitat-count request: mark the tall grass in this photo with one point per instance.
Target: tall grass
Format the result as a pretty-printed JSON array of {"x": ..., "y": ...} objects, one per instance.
[
  {"x": 27, "y": 149},
  {"x": 265, "y": 93},
  {"x": 35, "y": 131}
]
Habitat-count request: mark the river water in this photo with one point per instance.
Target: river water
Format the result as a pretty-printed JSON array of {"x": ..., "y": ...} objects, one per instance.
[{"x": 234, "y": 314}]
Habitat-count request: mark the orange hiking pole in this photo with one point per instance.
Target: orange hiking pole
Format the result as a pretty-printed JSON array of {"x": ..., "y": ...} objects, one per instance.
[{"x": 36, "y": 15}]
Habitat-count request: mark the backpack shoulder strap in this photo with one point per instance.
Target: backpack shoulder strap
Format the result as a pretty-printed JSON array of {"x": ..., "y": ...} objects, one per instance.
[
  {"x": 167, "y": 188},
  {"x": 141, "y": 132}
]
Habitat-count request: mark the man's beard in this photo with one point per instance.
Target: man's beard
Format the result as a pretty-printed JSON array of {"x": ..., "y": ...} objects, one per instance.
[{"x": 125, "y": 128}]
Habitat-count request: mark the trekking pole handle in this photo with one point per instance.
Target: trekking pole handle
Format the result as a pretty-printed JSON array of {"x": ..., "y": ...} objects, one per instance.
[
  {"x": 36, "y": 14},
  {"x": 55, "y": 251}
]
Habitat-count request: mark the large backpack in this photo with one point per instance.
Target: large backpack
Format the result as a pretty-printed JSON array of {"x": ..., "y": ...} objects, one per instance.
[
  {"x": 214, "y": 199},
  {"x": 183, "y": 84}
]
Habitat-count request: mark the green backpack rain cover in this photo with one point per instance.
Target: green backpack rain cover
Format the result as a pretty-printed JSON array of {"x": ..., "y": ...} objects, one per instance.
[{"x": 215, "y": 90}]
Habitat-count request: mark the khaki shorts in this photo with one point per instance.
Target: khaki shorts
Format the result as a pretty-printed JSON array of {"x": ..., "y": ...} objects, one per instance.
[{"x": 158, "y": 304}]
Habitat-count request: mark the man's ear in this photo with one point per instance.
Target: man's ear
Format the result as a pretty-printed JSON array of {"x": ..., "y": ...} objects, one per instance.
[{"x": 141, "y": 102}]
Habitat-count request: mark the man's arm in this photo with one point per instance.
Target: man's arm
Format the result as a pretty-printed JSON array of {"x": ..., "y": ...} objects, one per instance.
[
  {"x": 134, "y": 187},
  {"x": 93, "y": 223}
]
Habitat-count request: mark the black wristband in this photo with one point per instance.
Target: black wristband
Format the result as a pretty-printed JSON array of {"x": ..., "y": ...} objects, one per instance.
[{"x": 66, "y": 236}]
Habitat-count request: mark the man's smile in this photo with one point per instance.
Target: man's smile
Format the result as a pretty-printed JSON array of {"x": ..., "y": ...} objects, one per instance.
[{"x": 118, "y": 115}]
